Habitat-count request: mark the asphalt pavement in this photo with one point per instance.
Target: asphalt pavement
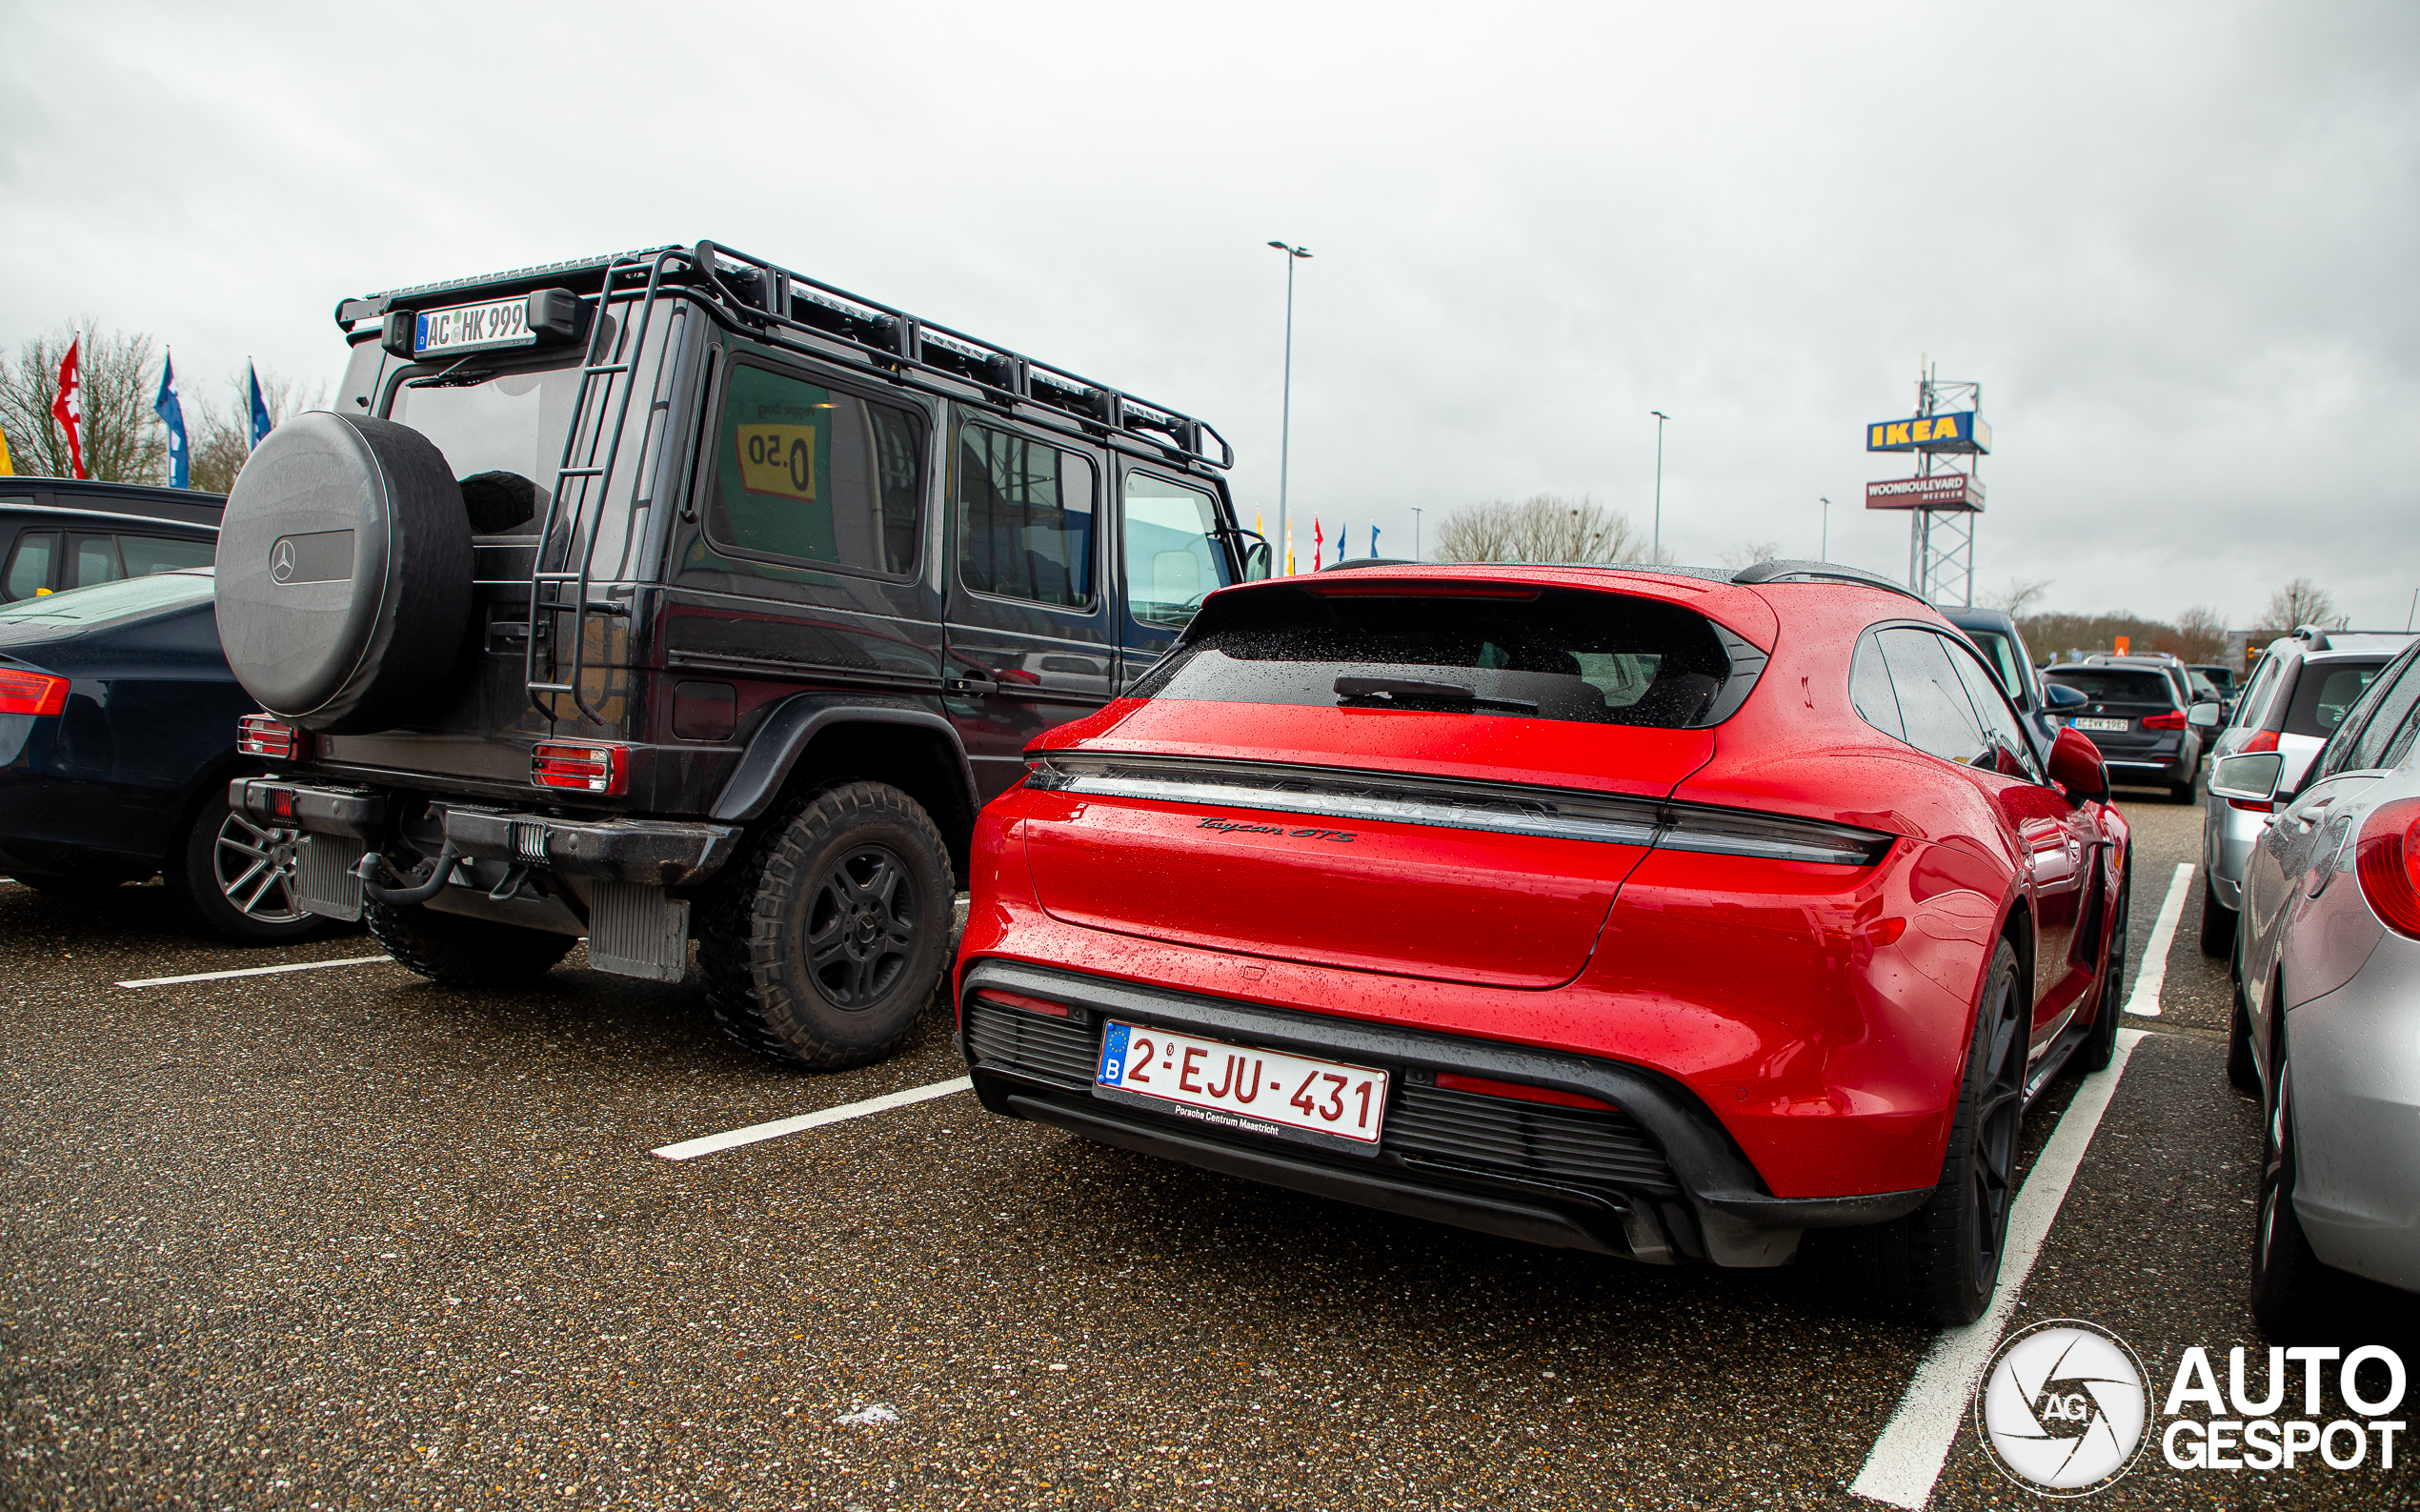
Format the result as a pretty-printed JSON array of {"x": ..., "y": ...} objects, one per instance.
[{"x": 341, "y": 1238}]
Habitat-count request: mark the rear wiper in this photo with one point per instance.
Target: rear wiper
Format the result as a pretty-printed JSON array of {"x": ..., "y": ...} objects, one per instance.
[{"x": 1408, "y": 690}]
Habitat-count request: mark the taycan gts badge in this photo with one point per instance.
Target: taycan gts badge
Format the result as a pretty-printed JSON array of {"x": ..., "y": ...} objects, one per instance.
[
  {"x": 323, "y": 556},
  {"x": 1231, "y": 826}
]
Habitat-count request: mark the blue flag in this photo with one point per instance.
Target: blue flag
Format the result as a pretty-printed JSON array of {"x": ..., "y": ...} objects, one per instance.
[
  {"x": 171, "y": 414},
  {"x": 260, "y": 406},
  {"x": 1344, "y": 541},
  {"x": 1373, "y": 540}
]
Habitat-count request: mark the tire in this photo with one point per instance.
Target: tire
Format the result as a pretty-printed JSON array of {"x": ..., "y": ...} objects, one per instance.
[
  {"x": 2100, "y": 1046},
  {"x": 457, "y": 952},
  {"x": 2243, "y": 1072},
  {"x": 235, "y": 880},
  {"x": 1938, "y": 1264},
  {"x": 2289, "y": 1281},
  {"x": 2218, "y": 921},
  {"x": 822, "y": 947},
  {"x": 2182, "y": 792},
  {"x": 343, "y": 585}
]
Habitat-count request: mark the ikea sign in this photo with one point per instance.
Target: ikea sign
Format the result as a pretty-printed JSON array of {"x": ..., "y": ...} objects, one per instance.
[{"x": 1961, "y": 430}]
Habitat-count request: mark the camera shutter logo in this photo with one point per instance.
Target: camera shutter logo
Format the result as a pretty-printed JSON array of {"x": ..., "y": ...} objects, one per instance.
[{"x": 2064, "y": 1410}]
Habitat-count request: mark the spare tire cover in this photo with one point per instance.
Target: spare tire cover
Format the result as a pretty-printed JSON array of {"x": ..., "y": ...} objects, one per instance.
[{"x": 344, "y": 573}]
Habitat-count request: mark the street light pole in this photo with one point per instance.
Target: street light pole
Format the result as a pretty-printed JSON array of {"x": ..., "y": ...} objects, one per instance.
[
  {"x": 1415, "y": 537},
  {"x": 1285, "y": 412},
  {"x": 1824, "y": 553},
  {"x": 1655, "y": 552}
]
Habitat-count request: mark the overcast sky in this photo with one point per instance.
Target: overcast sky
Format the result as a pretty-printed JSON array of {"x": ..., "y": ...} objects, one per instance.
[{"x": 2175, "y": 244}]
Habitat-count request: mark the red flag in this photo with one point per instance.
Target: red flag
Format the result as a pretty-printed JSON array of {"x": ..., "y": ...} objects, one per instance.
[
  {"x": 67, "y": 409},
  {"x": 1318, "y": 538}
]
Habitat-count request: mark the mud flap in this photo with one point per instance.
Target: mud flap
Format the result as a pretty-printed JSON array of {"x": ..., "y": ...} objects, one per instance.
[
  {"x": 324, "y": 880},
  {"x": 637, "y": 931}
]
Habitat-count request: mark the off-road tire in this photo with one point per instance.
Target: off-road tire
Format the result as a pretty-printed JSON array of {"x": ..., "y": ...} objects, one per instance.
[
  {"x": 234, "y": 878},
  {"x": 457, "y": 952},
  {"x": 2289, "y": 1281},
  {"x": 818, "y": 867},
  {"x": 2100, "y": 1044},
  {"x": 1938, "y": 1264},
  {"x": 2218, "y": 921}
]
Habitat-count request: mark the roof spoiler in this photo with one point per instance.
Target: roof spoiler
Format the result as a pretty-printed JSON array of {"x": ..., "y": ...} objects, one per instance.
[{"x": 1805, "y": 571}]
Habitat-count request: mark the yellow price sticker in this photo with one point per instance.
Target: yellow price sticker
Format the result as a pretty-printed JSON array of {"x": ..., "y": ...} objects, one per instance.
[{"x": 777, "y": 459}]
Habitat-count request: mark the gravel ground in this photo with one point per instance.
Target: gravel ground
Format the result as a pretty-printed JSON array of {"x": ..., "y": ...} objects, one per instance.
[{"x": 341, "y": 1238}]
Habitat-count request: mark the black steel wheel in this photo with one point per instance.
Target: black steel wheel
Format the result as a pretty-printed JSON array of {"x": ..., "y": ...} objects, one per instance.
[
  {"x": 822, "y": 945},
  {"x": 234, "y": 876}
]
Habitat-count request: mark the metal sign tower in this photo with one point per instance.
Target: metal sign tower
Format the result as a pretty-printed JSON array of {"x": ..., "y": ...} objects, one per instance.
[{"x": 1950, "y": 439}]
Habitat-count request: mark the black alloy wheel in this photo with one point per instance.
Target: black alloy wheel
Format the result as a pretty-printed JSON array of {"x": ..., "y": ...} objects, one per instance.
[
  {"x": 2100, "y": 1046},
  {"x": 234, "y": 876},
  {"x": 1992, "y": 1162},
  {"x": 863, "y": 928}
]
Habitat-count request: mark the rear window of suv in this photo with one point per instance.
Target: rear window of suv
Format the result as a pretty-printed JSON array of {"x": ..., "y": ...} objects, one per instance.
[
  {"x": 1564, "y": 653},
  {"x": 2325, "y": 692},
  {"x": 2117, "y": 684}
]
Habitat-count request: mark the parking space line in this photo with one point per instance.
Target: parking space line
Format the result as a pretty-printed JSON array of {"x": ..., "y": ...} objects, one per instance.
[
  {"x": 1907, "y": 1459},
  {"x": 254, "y": 971},
  {"x": 2152, "y": 973},
  {"x": 732, "y": 1139}
]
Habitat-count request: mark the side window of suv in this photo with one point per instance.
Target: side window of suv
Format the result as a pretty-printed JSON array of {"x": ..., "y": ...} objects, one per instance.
[
  {"x": 2250, "y": 708},
  {"x": 146, "y": 555},
  {"x": 29, "y": 571},
  {"x": 1029, "y": 525},
  {"x": 806, "y": 473},
  {"x": 1171, "y": 557}
]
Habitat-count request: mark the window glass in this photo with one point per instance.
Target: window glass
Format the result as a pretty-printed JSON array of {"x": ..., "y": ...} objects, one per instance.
[
  {"x": 809, "y": 473},
  {"x": 95, "y": 561},
  {"x": 2001, "y": 652},
  {"x": 2249, "y": 709},
  {"x": 29, "y": 564},
  {"x": 1932, "y": 700},
  {"x": 2363, "y": 737},
  {"x": 1027, "y": 527},
  {"x": 2118, "y": 684},
  {"x": 2000, "y": 722},
  {"x": 1869, "y": 690},
  {"x": 486, "y": 421},
  {"x": 1171, "y": 557},
  {"x": 2326, "y": 692},
  {"x": 146, "y": 555},
  {"x": 105, "y": 604}
]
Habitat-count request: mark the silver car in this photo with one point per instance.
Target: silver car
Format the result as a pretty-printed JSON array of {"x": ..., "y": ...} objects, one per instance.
[
  {"x": 2293, "y": 702},
  {"x": 2327, "y": 995}
]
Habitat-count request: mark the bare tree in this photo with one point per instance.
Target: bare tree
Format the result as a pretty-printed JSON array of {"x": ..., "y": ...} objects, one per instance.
[
  {"x": 123, "y": 441},
  {"x": 222, "y": 439},
  {"x": 2299, "y": 603},
  {"x": 1544, "y": 528},
  {"x": 2201, "y": 634},
  {"x": 1747, "y": 554},
  {"x": 2021, "y": 594}
]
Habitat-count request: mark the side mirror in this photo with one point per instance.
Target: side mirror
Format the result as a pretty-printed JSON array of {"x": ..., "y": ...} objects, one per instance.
[
  {"x": 2063, "y": 697},
  {"x": 2203, "y": 716},
  {"x": 2249, "y": 779},
  {"x": 1255, "y": 561},
  {"x": 2076, "y": 765}
]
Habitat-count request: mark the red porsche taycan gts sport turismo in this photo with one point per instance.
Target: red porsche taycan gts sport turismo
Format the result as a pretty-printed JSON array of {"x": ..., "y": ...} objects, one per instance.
[{"x": 1681, "y": 916}]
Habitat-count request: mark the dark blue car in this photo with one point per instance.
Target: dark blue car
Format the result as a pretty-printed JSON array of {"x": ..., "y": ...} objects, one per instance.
[{"x": 117, "y": 739}]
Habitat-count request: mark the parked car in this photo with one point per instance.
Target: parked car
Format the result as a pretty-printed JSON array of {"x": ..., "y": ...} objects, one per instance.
[
  {"x": 2043, "y": 706},
  {"x": 2135, "y": 713},
  {"x": 57, "y": 532},
  {"x": 2222, "y": 677},
  {"x": 118, "y": 741},
  {"x": 2326, "y": 970},
  {"x": 2297, "y": 696},
  {"x": 740, "y": 663},
  {"x": 1677, "y": 916}
]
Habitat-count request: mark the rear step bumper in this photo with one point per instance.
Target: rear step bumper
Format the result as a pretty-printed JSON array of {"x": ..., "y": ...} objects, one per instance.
[{"x": 1668, "y": 1185}]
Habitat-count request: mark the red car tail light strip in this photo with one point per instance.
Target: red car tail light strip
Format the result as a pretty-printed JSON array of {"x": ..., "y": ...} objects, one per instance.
[
  {"x": 2173, "y": 719},
  {"x": 1446, "y": 803},
  {"x": 2387, "y": 861},
  {"x": 39, "y": 693}
]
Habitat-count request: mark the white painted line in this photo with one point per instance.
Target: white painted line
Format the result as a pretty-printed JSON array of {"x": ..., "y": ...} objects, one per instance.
[
  {"x": 1907, "y": 1459},
  {"x": 2144, "y": 1001},
  {"x": 707, "y": 1144},
  {"x": 255, "y": 970}
]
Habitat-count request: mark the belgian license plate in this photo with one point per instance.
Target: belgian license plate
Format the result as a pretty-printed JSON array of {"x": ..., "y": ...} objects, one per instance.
[
  {"x": 2104, "y": 724},
  {"x": 473, "y": 328},
  {"x": 1242, "y": 1087}
]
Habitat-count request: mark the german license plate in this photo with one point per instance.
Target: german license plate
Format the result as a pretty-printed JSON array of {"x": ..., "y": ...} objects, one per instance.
[
  {"x": 1242, "y": 1087},
  {"x": 473, "y": 328},
  {"x": 2104, "y": 724}
]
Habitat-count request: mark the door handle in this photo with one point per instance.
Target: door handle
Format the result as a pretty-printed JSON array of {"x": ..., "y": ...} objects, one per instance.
[{"x": 976, "y": 683}]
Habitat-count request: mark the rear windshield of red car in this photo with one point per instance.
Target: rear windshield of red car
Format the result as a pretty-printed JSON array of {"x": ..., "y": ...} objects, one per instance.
[
  {"x": 2117, "y": 684},
  {"x": 1558, "y": 653},
  {"x": 2325, "y": 692}
]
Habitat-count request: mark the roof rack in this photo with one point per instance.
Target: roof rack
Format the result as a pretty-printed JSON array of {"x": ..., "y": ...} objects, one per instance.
[
  {"x": 1805, "y": 571},
  {"x": 808, "y": 314}
]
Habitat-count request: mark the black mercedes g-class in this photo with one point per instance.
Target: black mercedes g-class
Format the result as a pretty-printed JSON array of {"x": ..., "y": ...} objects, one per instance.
[{"x": 675, "y": 594}]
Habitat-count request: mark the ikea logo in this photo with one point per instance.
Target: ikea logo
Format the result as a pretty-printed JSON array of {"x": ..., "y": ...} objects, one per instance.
[{"x": 1962, "y": 431}]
